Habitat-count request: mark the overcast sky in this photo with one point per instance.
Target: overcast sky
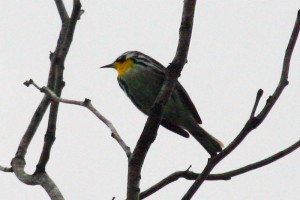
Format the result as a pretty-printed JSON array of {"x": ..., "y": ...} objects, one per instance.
[{"x": 237, "y": 47}]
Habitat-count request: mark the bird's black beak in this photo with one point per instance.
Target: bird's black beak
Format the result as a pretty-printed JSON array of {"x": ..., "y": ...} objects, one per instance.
[{"x": 108, "y": 66}]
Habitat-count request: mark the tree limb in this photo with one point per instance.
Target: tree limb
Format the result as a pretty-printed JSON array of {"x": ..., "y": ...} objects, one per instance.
[
  {"x": 62, "y": 10},
  {"x": 189, "y": 175},
  {"x": 150, "y": 130},
  {"x": 253, "y": 122}
]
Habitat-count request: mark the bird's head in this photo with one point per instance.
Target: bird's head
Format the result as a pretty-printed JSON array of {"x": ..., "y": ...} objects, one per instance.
[{"x": 124, "y": 62}]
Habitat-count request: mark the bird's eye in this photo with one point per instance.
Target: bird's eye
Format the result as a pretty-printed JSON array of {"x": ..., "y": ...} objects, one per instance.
[{"x": 121, "y": 59}]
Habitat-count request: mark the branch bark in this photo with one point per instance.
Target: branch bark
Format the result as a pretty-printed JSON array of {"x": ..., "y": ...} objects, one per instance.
[
  {"x": 149, "y": 133},
  {"x": 254, "y": 121}
]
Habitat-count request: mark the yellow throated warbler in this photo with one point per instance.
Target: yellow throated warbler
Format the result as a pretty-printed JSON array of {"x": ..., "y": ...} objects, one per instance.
[{"x": 141, "y": 78}]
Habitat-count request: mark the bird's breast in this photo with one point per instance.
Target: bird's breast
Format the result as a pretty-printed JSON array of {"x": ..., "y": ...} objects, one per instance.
[{"x": 141, "y": 86}]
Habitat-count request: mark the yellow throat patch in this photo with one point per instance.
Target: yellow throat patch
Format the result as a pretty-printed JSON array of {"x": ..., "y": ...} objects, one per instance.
[{"x": 122, "y": 67}]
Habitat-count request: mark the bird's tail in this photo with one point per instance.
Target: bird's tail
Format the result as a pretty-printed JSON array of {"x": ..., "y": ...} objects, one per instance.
[{"x": 211, "y": 144}]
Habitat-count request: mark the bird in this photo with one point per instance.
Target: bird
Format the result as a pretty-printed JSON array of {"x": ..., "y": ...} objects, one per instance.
[{"x": 141, "y": 78}]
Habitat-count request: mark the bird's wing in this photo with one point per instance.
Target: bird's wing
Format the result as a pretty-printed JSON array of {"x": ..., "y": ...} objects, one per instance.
[
  {"x": 174, "y": 128},
  {"x": 182, "y": 93},
  {"x": 187, "y": 100}
]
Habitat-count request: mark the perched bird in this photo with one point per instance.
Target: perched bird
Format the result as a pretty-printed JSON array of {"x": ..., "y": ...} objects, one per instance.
[{"x": 141, "y": 78}]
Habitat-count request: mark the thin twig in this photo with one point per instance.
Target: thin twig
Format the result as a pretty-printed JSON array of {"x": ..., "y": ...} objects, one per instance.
[
  {"x": 87, "y": 104},
  {"x": 258, "y": 96},
  {"x": 189, "y": 175},
  {"x": 6, "y": 169},
  {"x": 253, "y": 122},
  {"x": 150, "y": 130}
]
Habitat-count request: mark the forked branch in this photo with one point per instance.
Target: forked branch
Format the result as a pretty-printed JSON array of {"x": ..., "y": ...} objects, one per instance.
[
  {"x": 189, "y": 175},
  {"x": 254, "y": 121},
  {"x": 55, "y": 82}
]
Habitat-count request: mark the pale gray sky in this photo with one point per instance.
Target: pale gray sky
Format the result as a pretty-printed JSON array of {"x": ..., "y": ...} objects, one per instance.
[{"x": 237, "y": 47}]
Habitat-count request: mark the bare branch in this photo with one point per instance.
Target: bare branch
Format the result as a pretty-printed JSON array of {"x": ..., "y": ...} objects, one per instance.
[
  {"x": 258, "y": 96},
  {"x": 253, "y": 122},
  {"x": 87, "y": 104},
  {"x": 62, "y": 10},
  {"x": 58, "y": 57},
  {"x": 32, "y": 127},
  {"x": 42, "y": 179},
  {"x": 185, "y": 33},
  {"x": 189, "y": 175},
  {"x": 150, "y": 130},
  {"x": 256, "y": 165},
  {"x": 6, "y": 169}
]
